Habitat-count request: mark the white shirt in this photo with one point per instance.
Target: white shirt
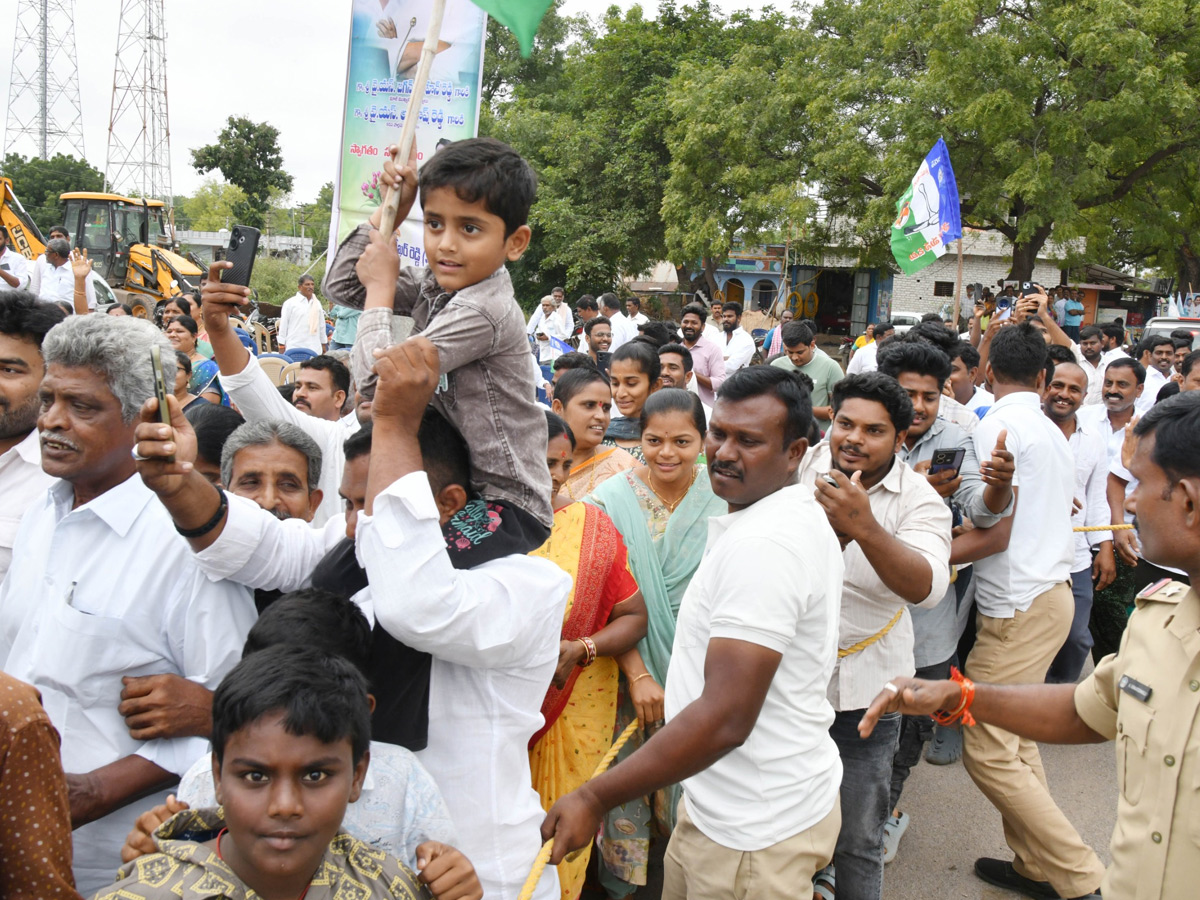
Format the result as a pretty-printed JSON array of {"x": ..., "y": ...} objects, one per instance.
[
  {"x": 553, "y": 326},
  {"x": 259, "y": 400},
  {"x": 22, "y": 483},
  {"x": 17, "y": 265},
  {"x": 785, "y": 777},
  {"x": 982, "y": 398},
  {"x": 623, "y": 331},
  {"x": 1095, "y": 376},
  {"x": 493, "y": 632},
  {"x": 713, "y": 332},
  {"x": 52, "y": 283},
  {"x": 1096, "y": 418},
  {"x": 639, "y": 319},
  {"x": 99, "y": 592},
  {"x": 866, "y": 359},
  {"x": 294, "y": 329},
  {"x": 1089, "y": 446},
  {"x": 912, "y": 512},
  {"x": 1041, "y": 550},
  {"x": 1155, "y": 382},
  {"x": 738, "y": 347}
]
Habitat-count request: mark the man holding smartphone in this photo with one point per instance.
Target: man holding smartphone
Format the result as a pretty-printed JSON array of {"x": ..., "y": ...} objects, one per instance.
[{"x": 922, "y": 370}]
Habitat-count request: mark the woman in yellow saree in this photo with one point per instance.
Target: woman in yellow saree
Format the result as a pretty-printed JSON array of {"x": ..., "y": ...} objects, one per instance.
[
  {"x": 605, "y": 618},
  {"x": 583, "y": 398}
]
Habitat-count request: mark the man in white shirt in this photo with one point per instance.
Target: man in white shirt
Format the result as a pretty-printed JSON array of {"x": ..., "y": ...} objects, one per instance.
[
  {"x": 747, "y": 711},
  {"x": 1112, "y": 341},
  {"x": 302, "y": 324},
  {"x": 256, "y": 396},
  {"x": 85, "y": 604},
  {"x": 708, "y": 359},
  {"x": 1064, "y": 396},
  {"x": 865, "y": 359},
  {"x": 14, "y": 267},
  {"x": 623, "y": 330},
  {"x": 1091, "y": 351},
  {"x": 633, "y": 311},
  {"x": 1025, "y": 609},
  {"x": 737, "y": 346},
  {"x": 493, "y": 630},
  {"x": 24, "y": 323},
  {"x": 964, "y": 362},
  {"x": 1158, "y": 356},
  {"x": 895, "y": 531},
  {"x": 55, "y": 282}
]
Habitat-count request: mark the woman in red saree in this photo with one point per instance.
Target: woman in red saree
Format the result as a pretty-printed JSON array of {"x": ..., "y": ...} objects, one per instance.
[{"x": 604, "y": 619}]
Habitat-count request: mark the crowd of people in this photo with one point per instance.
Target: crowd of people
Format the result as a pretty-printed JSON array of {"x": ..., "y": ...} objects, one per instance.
[{"x": 371, "y": 634}]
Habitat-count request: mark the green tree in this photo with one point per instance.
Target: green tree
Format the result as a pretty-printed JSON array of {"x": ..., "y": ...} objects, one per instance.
[
  {"x": 38, "y": 182},
  {"x": 598, "y": 140},
  {"x": 214, "y": 206},
  {"x": 247, "y": 154},
  {"x": 315, "y": 216},
  {"x": 1050, "y": 108},
  {"x": 275, "y": 277}
]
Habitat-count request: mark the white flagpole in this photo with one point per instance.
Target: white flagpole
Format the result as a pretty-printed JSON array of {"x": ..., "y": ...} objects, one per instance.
[{"x": 391, "y": 203}]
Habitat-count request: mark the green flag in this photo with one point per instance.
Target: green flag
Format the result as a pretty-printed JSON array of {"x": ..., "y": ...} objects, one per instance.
[{"x": 521, "y": 17}]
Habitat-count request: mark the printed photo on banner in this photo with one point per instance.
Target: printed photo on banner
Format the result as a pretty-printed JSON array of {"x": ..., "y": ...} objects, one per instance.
[
  {"x": 386, "y": 39},
  {"x": 927, "y": 214}
]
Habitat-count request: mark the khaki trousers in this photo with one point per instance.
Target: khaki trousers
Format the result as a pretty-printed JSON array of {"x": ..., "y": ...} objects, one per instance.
[
  {"x": 1008, "y": 769},
  {"x": 698, "y": 868}
]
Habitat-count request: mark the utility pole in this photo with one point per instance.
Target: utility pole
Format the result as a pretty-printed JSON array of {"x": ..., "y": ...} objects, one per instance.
[
  {"x": 45, "y": 115},
  {"x": 139, "y": 134}
]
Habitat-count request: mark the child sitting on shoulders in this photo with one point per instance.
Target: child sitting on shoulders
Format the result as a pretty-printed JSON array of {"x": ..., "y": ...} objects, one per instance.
[
  {"x": 476, "y": 196},
  {"x": 291, "y": 729}
]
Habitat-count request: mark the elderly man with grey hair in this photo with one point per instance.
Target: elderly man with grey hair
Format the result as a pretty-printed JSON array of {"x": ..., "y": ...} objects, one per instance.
[
  {"x": 57, "y": 278},
  {"x": 102, "y": 588},
  {"x": 275, "y": 464}
]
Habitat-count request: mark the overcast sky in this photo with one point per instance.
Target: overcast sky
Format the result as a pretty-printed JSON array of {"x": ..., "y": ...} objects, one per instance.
[{"x": 285, "y": 65}]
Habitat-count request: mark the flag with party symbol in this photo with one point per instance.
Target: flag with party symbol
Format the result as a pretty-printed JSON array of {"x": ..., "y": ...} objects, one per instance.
[{"x": 927, "y": 215}]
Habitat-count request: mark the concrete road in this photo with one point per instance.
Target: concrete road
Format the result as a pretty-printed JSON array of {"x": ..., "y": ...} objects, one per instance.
[{"x": 952, "y": 825}]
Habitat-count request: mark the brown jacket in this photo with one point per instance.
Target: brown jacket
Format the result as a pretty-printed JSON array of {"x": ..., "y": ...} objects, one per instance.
[{"x": 487, "y": 391}]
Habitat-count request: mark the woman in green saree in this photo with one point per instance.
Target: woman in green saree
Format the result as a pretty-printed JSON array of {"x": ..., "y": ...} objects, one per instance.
[{"x": 662, "y": 510}]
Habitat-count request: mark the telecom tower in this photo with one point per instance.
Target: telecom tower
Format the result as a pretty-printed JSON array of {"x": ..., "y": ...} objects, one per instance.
[
  {"x": 139, "y": 137},
  {"x": 44, "y": 112}
]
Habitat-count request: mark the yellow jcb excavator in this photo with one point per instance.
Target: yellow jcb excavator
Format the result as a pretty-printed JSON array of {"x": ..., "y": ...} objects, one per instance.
[{"x": 126, "y": 239}]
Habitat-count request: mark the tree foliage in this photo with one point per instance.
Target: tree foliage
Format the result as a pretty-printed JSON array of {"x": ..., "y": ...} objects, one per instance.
[
  {"x": 38, "y": 183},
  {"x": 597, "y": 135},
  {"x": 247, "y": 154},
  {"x": 214, "y": 206}
]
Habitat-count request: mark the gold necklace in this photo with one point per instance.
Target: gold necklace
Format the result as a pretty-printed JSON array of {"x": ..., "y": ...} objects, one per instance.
[
  {"x": 591, "y": 481},
  {"x": 670, "y": 506}
]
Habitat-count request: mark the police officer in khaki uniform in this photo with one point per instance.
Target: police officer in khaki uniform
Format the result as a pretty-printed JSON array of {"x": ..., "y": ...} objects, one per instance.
[{"x": 1146, "y": 696}]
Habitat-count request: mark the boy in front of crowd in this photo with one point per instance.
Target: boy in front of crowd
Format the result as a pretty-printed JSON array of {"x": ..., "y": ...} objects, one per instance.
[
  {"x": 291, "y": 728},
  {"x": 475, "y": 195}
]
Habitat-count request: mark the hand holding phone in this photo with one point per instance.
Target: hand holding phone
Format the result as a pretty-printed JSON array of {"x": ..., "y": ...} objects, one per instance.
[
  {"x": 160, "y": 389},
  {"x": 243, "y": 246},
  {"x": 947, "y": 460}
]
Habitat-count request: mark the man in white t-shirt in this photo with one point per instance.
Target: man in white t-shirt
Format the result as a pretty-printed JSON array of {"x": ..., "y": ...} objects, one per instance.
[
  {"x": 623, "y": 330},
  {"x": 866, "y": 359},
  {"x": 302, "y": 325},
  {"x": 737, "y": 345},
  {"x": 747, "y": 711}
]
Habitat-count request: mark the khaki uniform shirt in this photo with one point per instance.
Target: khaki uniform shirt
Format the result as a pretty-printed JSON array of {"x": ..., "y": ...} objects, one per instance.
[{"x": 1156, "y": 842}]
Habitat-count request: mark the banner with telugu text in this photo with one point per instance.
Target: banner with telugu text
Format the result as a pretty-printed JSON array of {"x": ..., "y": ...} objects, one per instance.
[{"x": 386, "y": 38}]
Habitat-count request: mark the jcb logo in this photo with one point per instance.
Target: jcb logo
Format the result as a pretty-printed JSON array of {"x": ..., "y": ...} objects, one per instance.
[{"x": 17, "y": 235}]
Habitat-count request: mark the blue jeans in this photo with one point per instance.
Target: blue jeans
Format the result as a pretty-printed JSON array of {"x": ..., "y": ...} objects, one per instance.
[
  {"x": 1068, "y": 664},
  {"x": 866, "y": 789}
]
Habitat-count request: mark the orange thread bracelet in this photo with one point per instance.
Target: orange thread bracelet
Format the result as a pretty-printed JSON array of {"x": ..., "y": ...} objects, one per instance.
[{"x": 966, "y": 698}]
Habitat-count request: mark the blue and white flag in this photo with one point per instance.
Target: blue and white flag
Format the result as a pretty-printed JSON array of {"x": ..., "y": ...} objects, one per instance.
[{"x": 927, "y": 215}]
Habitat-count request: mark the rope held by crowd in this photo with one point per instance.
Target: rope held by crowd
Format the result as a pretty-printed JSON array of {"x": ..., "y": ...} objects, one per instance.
[{"x": 543, "y": 857}]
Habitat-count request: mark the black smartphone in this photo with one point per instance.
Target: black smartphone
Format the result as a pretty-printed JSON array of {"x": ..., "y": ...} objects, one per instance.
[
  {"x": 830, "y": 480},
  {"x": 1029, "y": 288},
  {"x": 947, "y": 459},
  {"x": 160, "y": 389},
  {"x": 243, "y": 245}
]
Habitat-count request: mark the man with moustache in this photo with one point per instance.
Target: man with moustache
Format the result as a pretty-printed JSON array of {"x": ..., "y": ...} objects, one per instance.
[
  {"x": 738, "y": 347},
  {"x": 1063, "y": 398},
  {"x": 895, "y": 535},
  {"x": 1158, "y": 356},
  {"x": 747, "y": 712},
  {"x": 1091, "y": 351},
  {"x": 101, "y": 586},
  {"x": 708, "y": 359},
  {"x": 24, "y": 323}
]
